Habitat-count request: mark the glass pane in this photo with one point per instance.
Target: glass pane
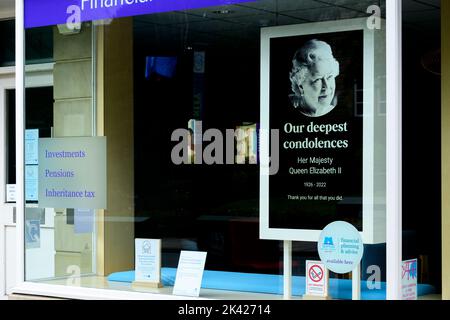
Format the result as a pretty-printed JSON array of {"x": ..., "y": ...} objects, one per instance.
[
  {"x": 39, "y": 116},
  {"x": 422, "y": 189},
  {"x": 7, "y": 50},
  {"x": 11, "y": 136},
  {"x": 138, "y": 80},
  {"x": 59, "y": 105},
  {"x": 39, "y": 45}
]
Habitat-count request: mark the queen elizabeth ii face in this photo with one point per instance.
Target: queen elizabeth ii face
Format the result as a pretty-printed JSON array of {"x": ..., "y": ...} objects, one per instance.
[{"x": 318, "y": 88}]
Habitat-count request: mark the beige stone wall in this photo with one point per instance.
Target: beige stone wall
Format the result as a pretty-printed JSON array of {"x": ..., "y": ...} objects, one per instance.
[
  {"x": 115, "y": 230},
  {"x": 72, "y": 112},
  {"x": 74, "y": 116}
]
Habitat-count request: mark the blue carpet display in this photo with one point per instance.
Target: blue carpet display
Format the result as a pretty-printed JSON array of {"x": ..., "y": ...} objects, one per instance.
[{"x": 270, "y": 284}]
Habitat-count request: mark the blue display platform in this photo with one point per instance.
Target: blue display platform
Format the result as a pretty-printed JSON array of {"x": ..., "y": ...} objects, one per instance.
[{"x": 270, "y": 284}]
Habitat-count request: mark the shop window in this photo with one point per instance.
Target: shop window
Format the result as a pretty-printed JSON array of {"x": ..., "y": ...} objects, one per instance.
[{"x": 135, "y": 80}]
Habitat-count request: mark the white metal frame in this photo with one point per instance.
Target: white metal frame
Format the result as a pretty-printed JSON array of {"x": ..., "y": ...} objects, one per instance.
[
  {"x": 394, "y": 191},
  {"x": 6, "y": 83},
  {"x": 37, "y": 76},
  {"x": 20, "y": 133},
  {"x": 394, "y": 150}
]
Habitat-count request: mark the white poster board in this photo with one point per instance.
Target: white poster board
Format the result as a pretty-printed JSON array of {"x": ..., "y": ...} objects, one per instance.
[
  {"x": 189, "y": 273},
  {"x": 10, "y": 193},
  {"x": 304, "y": 183}
]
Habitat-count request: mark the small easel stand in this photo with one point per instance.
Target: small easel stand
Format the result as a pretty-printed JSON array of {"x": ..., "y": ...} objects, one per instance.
[
  {"x": 147, "y": 284},
  {"x": 326, "y": 296}
]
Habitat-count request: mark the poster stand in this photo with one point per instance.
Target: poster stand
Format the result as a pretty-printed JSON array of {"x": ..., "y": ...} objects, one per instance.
[
  {"x": 356, "y": 283},
  {"x": 287, "y": 265}
]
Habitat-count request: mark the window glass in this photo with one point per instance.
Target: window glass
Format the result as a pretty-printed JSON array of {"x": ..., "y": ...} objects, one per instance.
[
  {"x": 422, "y": 189},
  {"x": 7, "y": 48},
  {"x": 39, "y": 116},
  {"x": 107, "y": 172},
  {"x": 39, "y": 42}
]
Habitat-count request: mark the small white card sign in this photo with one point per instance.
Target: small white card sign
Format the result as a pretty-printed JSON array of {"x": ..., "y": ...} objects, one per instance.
[
  {"x": 316, "y": 279},
  {"x": 189, "y": 273},
  {"x": 10, "y": 193},
  {"x": 148, "y": 262},
  {"x": 409, "y": 280}
]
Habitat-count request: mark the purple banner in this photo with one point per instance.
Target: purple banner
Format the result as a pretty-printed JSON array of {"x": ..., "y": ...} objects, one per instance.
[{"x": 39, "y": 13}]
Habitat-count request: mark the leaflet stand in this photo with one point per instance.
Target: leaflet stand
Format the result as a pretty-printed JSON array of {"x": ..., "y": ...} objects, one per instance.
[{"x": 147, "y": 264}]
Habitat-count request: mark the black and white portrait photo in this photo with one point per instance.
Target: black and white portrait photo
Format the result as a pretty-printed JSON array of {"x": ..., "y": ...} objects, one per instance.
[{"x": 313, "y": 79}]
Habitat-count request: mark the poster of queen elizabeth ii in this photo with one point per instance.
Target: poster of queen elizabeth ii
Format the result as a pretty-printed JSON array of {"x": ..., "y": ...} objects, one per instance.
[{"x": 312, "y": 79}]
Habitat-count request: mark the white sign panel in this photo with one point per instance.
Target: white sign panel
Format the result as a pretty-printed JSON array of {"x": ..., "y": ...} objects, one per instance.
[
  {"x": 340, "y": 247},
  {"x": 72, "y": 172},
  {"x": 148, "y": 260},
  {"x": 409, "y": 280},
  {"x": 31, "y": 182},
  {"x": 189, "y": 273},
  {"x": 316, "y": 279},
  {"x": 10, "y": 193}
]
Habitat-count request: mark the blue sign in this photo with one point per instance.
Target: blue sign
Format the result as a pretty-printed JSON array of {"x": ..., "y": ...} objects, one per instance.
[
  {"x": 39, "y": 13},
  {"x": 340, "y": 247}
]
